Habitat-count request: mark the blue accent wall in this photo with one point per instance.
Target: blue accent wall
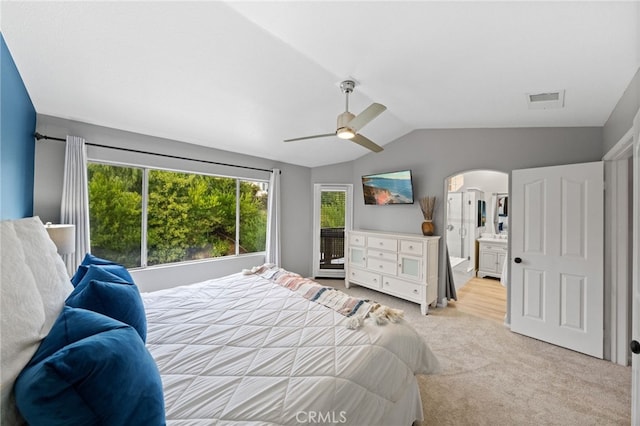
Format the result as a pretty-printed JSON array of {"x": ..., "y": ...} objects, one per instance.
[{"x": 17, "y": 145}]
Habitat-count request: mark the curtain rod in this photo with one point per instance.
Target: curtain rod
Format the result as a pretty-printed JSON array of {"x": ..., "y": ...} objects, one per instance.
[{"x": 40, "y": 136}]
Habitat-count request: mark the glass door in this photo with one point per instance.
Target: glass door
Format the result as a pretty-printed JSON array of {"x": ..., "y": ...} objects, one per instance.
[
  {"x": 332, "y": 217},
  {"x": 410, "y": 267},
  {"x": 357, "y": 256}
]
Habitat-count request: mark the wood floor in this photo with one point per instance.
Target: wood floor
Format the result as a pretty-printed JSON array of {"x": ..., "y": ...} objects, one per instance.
[{"x": 482, "y": 297}]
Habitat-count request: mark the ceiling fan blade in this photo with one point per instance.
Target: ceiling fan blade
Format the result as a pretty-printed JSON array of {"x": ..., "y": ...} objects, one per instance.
[
  {"x": 310, "y": 137},
  {"x": 367, "y": 143},
  {"x": 366, "y": 116}
]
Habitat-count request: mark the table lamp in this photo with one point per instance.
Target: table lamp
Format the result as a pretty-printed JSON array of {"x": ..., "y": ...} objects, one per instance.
[{"x": 64, "y": 237}]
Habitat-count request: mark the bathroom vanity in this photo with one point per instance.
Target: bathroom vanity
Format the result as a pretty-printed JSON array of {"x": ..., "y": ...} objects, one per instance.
[{"x": 493, "y": 252}]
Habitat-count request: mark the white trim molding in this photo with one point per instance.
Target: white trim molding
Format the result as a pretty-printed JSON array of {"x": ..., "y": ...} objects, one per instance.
[
  {"x": 618, "y": 254},
  {"x": 622, "y": 149}
]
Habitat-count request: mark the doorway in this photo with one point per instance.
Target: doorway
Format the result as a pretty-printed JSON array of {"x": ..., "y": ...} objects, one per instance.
[
  {"x": 476, "y": 234},
  {"x": 332, "y": 213}
]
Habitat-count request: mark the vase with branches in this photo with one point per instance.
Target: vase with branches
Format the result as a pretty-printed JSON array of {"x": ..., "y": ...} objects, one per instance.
[{"x": 427, "y": 205}]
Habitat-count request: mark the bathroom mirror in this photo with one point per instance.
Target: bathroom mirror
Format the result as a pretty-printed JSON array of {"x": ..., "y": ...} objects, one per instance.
[
  {"x": 482, "y": 213},
  {"x": 503, "y": 205}
]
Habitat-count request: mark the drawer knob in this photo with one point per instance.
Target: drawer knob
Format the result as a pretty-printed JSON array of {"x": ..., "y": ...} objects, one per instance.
[
  {"x": 410, "y": 247},
  {"x": 381, "y": 243},
  {"x": 380, "y": 266},
  {"x": 375, "y": 280},
  {"x": 386, "y": 283},
  {"x": 415, "y": 290}
]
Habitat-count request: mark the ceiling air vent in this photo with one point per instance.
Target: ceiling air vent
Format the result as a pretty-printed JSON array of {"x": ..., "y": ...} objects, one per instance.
[{"x": 546, "y": 100}]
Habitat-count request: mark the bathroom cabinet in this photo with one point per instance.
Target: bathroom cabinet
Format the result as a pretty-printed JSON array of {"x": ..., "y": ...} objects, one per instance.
[
  {"x": 402, "y": 265},
  {"x": 491, "y": 258}
]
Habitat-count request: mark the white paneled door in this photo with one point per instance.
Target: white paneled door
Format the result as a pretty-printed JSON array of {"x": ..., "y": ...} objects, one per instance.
[{"x": 557, "y": 255}]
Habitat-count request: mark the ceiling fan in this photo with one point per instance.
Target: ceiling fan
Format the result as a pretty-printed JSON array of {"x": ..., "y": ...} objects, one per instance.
[{"x": 349, "y": 124}]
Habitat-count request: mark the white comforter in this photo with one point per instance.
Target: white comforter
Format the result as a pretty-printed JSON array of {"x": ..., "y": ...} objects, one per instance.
[{"x": 244, "y": 349}]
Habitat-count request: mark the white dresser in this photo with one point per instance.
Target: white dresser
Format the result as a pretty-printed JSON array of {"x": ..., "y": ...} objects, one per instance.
[
  {"x": 402, "y": 265},
  {"x": 491, "y": 258}
]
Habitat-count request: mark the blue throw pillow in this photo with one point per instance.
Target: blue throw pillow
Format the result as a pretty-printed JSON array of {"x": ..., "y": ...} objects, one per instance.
[
  {"x": 72, "y": 325},
  {"x": 117, "y": 300},
  {"x": 89, "y": 259},
  {"x": 117, "y": 270},
  {"x": 102, "y": 273},
  {"x": 106, "y": 378}
]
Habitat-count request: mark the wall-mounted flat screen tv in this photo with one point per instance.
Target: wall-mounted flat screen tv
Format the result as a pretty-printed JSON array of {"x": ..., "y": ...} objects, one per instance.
[{"x": 388, "y": 188}]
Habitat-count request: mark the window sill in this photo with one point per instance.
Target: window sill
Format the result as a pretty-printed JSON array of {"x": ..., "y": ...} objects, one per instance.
[{"x": 159, "y": 277}]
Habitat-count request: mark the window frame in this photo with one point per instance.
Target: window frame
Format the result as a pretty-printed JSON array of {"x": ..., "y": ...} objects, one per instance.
[{"x": 145, "y": 210}]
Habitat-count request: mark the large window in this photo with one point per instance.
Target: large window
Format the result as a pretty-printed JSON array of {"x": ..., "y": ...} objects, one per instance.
[{"x": 143, "y": 217}]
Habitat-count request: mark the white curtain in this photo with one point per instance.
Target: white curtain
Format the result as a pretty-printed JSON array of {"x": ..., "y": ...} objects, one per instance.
[
  {"x": 273, "y": 219},
  {"x": 74, "y": 208}
]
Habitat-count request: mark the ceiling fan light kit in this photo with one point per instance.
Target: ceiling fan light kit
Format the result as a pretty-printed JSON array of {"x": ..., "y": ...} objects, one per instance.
[
  {"x": 345, "y": 132},
  {"x": 349, "y": 124}
]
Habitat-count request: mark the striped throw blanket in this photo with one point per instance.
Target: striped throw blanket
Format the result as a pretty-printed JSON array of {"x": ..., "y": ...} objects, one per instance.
[{"x": 354, "y": 308}]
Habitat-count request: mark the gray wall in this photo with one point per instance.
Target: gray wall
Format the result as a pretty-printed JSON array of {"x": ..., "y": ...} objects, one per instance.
[
  {"x": 335, "y": 173},
  {"x": 296, "y": 197},
  {"x": 434, "y": 155},
  {"x": 621, "y": 118}
]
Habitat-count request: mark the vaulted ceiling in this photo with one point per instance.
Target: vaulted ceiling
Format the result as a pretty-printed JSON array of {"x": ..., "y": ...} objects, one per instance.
[{"x": 243, "y": 76}]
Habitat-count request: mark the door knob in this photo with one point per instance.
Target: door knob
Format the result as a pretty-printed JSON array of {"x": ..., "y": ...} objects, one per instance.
[
  {"x": 635, "y": 347},
  {"x": 517, "y": 260}
]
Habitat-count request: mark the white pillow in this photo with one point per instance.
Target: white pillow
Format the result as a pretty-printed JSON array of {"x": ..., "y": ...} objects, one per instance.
[{"x": 34, "y": 284}]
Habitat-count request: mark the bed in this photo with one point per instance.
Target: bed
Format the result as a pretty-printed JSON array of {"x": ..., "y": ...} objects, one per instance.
[{"x": 263, "y": 347}]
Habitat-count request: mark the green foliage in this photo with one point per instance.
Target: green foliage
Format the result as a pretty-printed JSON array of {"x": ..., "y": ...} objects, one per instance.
[
  {"x": 332, "y": 209},
  {"x": 115, "y": 212},
  {"x": 253, "y": 218},
  {"x": 189, "y": 216}
]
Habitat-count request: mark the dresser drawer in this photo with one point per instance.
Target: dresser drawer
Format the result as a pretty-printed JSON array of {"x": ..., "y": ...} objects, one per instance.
[
  {"x": 493, "y": 246},
  {"x": 411, "y": 247},
  {"x": 490, "y": 247},
  {"x": 383, "y": 255},
  {"x": 403, "y": 289},
  {"x": 382, "y": 266},
  {"x": 382, "y": 243},
  {"x": 365, "y": 278},
  {"x": 357, "y": 239}
]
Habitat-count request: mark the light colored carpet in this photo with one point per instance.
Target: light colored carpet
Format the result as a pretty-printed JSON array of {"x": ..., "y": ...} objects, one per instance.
[{"x": 491, "y": 376}]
